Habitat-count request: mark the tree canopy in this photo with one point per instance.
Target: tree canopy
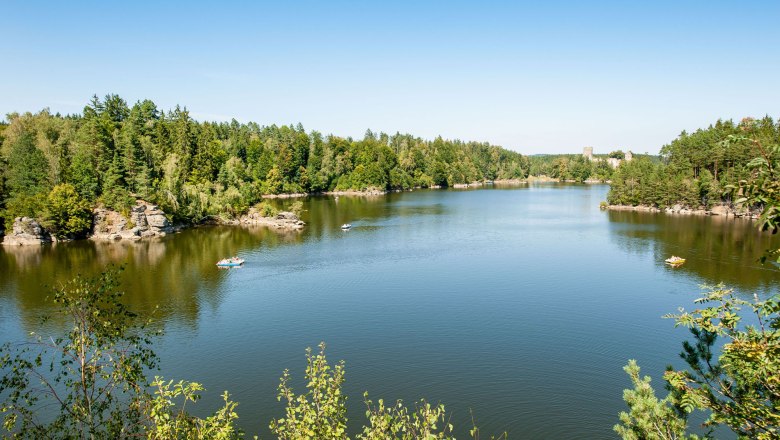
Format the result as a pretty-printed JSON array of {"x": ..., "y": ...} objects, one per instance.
[
  {"x": 699, "y": 169},
  {"x": 114, "y": 152}
]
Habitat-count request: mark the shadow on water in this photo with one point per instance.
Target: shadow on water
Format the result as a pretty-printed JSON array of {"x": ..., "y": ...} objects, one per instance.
[
  {"x": 176, "y": 273},
  {"x": 717, "y": 248}
]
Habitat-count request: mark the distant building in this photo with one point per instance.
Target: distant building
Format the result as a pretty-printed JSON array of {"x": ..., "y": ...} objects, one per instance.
[{"x": 587, "y": 153}]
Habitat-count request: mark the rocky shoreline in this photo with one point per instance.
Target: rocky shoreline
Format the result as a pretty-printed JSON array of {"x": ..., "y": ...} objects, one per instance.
[
  {"x": 284, "y": 220},
  {"x": 721, "y": 210},
  {"x": 379, "y": 192},
  {"x": 145, "y": 220},
  {"x": 368, "y": 192},
  {"x": 27, "y": 231}
]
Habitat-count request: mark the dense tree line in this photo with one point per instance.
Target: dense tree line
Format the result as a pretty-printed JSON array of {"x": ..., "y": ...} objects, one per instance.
[
  {"x": 569, "y": 167},
  {"x": 114, "y": 153},
  {"x": 698, "y": 169},
  {"x": 578, "y": 168}
]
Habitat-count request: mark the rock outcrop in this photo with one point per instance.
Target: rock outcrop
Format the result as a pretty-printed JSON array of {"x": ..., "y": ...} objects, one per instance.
[
  {"x": 27, "y": 231},
  {"x": 720, "y": 210},
  {"x": 723, "y": 210},
  {"x": 352, "y": 192},
  {"x": 146, "y": 220},
  {"x": 680, "y": 209},
  {"x": 282, "y": 220}
]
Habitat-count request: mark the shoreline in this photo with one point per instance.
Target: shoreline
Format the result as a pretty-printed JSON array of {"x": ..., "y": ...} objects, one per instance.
[
  {"x": 380, "y": 192},
  {"x": 109, "y": 227},
  {"x": 717, "y": 210}
]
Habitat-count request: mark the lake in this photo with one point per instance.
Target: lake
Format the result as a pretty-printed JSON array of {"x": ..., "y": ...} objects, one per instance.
[{"x": 519, "y": 304}]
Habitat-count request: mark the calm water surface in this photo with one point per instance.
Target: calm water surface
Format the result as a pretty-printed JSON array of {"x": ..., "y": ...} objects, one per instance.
[{"x": 520, "y": 304}]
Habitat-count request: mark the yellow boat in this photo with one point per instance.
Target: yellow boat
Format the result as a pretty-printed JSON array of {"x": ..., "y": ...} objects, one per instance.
[{"x": 675, "y": 260}]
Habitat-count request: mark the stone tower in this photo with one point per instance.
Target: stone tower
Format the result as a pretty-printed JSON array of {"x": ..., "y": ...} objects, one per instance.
[
  {"x": 587, "y": 152},
  {"x": 629, "y": 156}
]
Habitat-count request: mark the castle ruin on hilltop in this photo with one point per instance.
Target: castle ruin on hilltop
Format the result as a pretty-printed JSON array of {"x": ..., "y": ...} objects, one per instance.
[{"x": 587, "y": 152}]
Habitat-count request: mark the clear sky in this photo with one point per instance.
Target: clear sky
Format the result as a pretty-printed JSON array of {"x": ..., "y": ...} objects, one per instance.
[{"x": 536, "y": 77}]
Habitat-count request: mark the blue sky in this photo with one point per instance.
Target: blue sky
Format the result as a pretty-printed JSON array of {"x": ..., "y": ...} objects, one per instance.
[{"x": 536, "y": 77}]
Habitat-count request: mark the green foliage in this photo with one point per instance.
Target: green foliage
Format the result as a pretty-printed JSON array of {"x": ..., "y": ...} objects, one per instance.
[
  {"x": 580, "y": 169},
  {"x": 697, "y": 167},
  {"x": 649, "y": 418},
  {"x": 266, "y": 210},
  {"x": 84, "y": 175},
  {"x": 762, "y": 188},
  {"x": 602, "y": 171},
  {"x": 637, "y": 182},
  {"x": 3, "y": 190},
  {"x": 27, "y": 171},
  {"x": 396, "y": 422},
  {"x": 321, "y": 412},
  {"x": 741, "y": 388},
  {"x": 273, "y": 182},
  {"x": 618, "y": 154},
  {"x": 94, "y": 377},
  {"x": 67, "y": 214},
  {"x": 297, "y": 208},
  {"x": 94, "y": 374},
  {"x": 23, "y": 205},
  {"x": 26, "y": 180},
  {"x": 232, "y": 202},
  {"x": 115, "y": 153},
  {"x": 167, "y": 422},
  {"x": 570, "y": 167}
]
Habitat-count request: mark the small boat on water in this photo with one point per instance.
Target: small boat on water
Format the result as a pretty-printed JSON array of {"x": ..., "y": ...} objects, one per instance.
[
  {"x": 675, "y": 261},
  {"x": 346, "y": 227},
  {"x": 230, "y": 262}
]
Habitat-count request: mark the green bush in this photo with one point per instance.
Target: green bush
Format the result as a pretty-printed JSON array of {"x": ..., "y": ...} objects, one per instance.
[
  {"x": 266, "y": 210},
  {"x": 67, "y": 214},
  {"x": 297, "y": 208}
]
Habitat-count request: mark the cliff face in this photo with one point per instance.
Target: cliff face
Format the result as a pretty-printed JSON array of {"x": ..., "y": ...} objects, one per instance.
[
  {"x": 146, "y": 220},
  {"x": 26, "y": 231}
]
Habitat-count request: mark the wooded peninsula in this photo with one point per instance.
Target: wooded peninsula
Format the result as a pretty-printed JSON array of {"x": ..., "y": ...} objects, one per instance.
[{"x": 57, "y": 168}]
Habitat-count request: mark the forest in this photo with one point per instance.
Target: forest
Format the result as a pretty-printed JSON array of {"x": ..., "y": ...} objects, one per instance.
[
  {"x": 576, "y": 167},
  {"x": 700, "y": 169},
  {"x": 57, "y": 168}
]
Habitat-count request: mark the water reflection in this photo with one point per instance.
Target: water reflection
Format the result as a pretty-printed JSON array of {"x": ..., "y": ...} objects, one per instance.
[
  {"x": 717, "y": 248},
  {"x": 174, "y": 278},
  {"x": 496, "y": 299},
  {"x": 176, "y": 273}
]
